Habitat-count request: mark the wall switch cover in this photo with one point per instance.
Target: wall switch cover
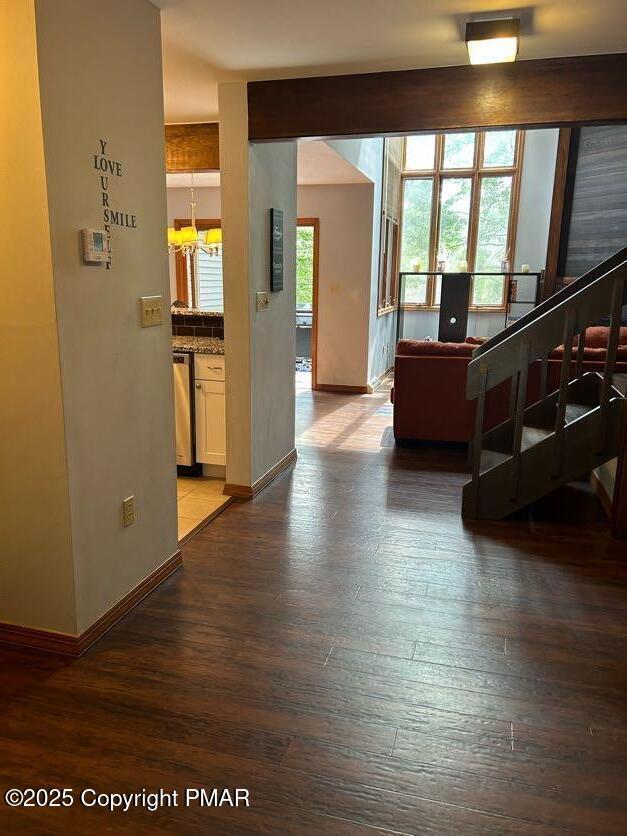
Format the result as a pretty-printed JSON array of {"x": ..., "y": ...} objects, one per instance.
[
  {"x": 128, "y": 511},
  {"x": 263, "y": 300},
  {"x": 151, "y": 311}
]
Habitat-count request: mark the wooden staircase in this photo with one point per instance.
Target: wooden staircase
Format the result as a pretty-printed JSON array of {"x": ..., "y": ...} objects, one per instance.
[{"x": 568, "y": 432}]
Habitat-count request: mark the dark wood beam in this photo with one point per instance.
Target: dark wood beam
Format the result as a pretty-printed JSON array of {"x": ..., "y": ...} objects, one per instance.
[
  {"x": 554, "y": 91},
  {"x": 192, "y": 147}
]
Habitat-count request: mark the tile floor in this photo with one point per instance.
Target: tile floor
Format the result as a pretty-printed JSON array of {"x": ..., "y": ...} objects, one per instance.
[{"x": 199, "y": 498}]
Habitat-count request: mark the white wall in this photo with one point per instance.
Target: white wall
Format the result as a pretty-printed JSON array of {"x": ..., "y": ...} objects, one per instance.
[
  {"x": 260, "y": 345},
  {"x": 344, "y": 274},
  {"x": 345, "y": 213},
  {"x": 420, "y": 324},
  {"x": 273, "y": 185},
  {"x": 117, "y": 377},
  {"x": 367, "y": 156},
  {"x": 36, "y": 571},
  {"x": 536, "y": 195}
]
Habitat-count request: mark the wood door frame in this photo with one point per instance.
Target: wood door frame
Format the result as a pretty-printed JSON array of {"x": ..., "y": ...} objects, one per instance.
[{"x": 315, "y": 223}]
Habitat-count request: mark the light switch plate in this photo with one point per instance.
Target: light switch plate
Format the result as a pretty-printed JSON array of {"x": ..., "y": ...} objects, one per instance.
[
  {"x": 128, "y": 511},
  {"x": 151, "y": 311},
  {"x": 263, "y": 300}
]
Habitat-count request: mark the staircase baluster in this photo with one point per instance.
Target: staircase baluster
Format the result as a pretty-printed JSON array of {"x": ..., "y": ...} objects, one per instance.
[
  {"x": 560, "y": 417},
  {"x": 581, "y": 347},
  {"x": 478, "y": 438},
  {"x": 513, "y": 395},
  {"x": 544, "y": 376},
  {"x": 610, "y": 360},
  {"x": 525, "y": 351}
]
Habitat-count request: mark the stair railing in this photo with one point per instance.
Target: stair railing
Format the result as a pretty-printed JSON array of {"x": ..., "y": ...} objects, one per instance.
[{"x": 557, "y": 321}]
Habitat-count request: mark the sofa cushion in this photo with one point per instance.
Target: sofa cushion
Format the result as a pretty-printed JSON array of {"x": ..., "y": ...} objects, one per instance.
[
  {"x": 423, "y": 348},
  {"x": 589, "y": 353},
  {"x": 596, "y": 337}
]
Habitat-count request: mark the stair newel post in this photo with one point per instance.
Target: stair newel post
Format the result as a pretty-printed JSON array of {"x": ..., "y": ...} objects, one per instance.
[
  {"x": 521, "y": 399},
  {"x": 581, "y": 346},
  {"x": 560, "y": 417},
  {"x": 610, "y": 359},
  {"x": 478, "y": 437}
]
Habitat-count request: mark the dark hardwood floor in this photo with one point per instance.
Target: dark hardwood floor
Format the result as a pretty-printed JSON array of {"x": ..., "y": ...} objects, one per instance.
[{"x": 351, "y": 652}]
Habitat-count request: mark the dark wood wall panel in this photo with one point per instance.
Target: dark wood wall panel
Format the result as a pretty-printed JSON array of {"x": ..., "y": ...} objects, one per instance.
[
  {"x": 193, "y": 147},
  {"x": 598, "y": 215},
  {"x": 555, "y": 91}
]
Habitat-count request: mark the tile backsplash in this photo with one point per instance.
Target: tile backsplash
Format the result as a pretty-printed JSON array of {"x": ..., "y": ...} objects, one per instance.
[{"x": 198, "y": 325}]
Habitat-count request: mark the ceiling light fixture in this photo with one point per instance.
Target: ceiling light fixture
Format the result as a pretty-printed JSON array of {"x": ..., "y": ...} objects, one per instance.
[
  {"x": 492, "y": 41},
  {"x": 188, "y": 240}
]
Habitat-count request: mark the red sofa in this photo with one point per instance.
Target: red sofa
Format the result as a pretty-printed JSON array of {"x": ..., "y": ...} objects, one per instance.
[{"x": 429, "y": 393}]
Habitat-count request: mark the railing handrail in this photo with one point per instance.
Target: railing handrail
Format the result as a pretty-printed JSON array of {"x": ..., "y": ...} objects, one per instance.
[
  {"x": 556, "y": 299},
  {"x": 543, "y": 329}
]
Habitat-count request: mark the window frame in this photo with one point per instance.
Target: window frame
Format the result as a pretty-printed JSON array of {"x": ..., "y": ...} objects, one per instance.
[
  {"x": 476, "y": 174},
  {"x": 182, "y": 288}
]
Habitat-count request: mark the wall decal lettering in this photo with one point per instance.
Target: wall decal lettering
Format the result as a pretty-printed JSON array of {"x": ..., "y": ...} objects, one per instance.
[{"x": 109, "y": 169}]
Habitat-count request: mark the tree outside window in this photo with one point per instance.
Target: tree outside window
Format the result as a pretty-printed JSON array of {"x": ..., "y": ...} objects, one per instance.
[{"x": 459, "y": 208}]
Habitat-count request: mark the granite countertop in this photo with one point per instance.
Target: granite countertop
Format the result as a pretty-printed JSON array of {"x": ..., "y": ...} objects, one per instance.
[
  {"x": 194, "y": 312},
  {"x": 199, "y": 345}
]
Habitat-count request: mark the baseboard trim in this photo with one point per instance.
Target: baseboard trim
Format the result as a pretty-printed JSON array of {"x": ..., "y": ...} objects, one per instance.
[
  {"x": 67, "y": 644},
  {"x": 376, "y": 383},
  {"x": 341, "y": 389},
  {"x": 248, "y": 492}
]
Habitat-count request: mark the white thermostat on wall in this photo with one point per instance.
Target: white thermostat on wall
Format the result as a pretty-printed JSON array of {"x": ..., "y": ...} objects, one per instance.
[{"x": 95, "y": 249}]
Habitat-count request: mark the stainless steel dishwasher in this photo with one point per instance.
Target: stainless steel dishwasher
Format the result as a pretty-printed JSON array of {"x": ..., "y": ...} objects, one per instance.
[{"x": 183, "y": 366}]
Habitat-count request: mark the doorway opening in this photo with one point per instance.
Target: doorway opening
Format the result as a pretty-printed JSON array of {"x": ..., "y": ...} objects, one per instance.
[
  {"x": 197, "y": 295},
  {"x": 307, "y": 248}
]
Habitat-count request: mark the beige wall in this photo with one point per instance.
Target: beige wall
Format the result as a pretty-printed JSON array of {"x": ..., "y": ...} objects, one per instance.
[
  {"x": 260, "y": 348},
  {"x": 273, "y": 184},
  {"x": 117, "y": 377},
  {"x": 36, "y": 573},
  {"x": 345, "y": 256},
  {"x": 345, "y": 213}
]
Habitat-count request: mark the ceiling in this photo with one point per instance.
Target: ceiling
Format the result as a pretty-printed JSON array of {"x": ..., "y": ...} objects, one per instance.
[
  {"x": 318, "y": 164},
  {"x": 205, "y": 42}
]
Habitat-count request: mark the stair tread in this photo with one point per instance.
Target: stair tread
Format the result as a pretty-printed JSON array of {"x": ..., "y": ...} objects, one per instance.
[
  {"x": 532, "y": 435},
  {"x": 576, "y": 410},
  {"x": 492, "y": 458}
]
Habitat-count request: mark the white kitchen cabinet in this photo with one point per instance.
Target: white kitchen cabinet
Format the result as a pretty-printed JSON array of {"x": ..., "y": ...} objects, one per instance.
[
  {"x": 210, "y": 422},
  {"x": 210, "y": 410}
]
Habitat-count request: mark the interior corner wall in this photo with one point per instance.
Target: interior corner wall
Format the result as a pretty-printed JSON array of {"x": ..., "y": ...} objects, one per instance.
[
  {"x": 117, "y": 377},
  {"x": 367, "y": 156},
  {"x": 36, "y": 571},
  {"x": 536, "y": 196},
  {"x": 272, "y": 185},
  {"x": 345, "y": 212},
  {"x": 238, "y": 298},
  {"x": 260, "y": 345}
]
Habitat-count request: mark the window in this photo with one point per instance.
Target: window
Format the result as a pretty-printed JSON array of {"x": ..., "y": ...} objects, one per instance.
[
  {"x": 199, "y": 280},
  {"x": 459, "y": 205},
  {"x": 393, "y": 150}
]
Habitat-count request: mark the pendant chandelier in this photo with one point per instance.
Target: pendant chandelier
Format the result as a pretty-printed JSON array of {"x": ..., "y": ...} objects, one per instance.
[{"x": 188, "y": 241}]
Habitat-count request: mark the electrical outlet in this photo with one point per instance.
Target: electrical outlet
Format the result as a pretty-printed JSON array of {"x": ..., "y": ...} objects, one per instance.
[
  {"x": 263, "y": 300},
  {"x": 150, "y": 308},
  {"x": 128, "y": 511}
]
